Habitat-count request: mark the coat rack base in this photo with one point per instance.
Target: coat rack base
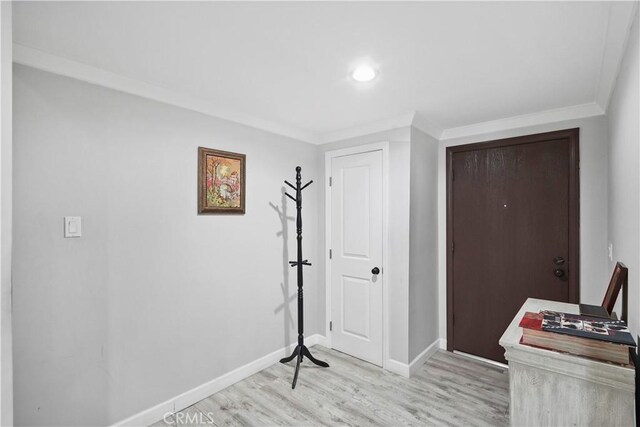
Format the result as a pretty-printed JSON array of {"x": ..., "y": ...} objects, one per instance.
[{"x": 298, "y": 353}]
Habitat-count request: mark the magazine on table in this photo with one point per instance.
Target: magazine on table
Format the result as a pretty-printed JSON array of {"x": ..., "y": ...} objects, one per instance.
[{"x": 610, "y": 330}]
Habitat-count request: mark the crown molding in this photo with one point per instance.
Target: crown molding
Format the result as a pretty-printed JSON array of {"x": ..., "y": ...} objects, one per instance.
[
  {"x": 41, "y": 60},
  {"x": 427, "y": 126},
  {"x": 58, "y": 65},
  {"x": 549, "y": 116},
  {"x": 620, "y": 20},
  {"x": 403, "y": 120},
  {"x": 411, "y": 118}
]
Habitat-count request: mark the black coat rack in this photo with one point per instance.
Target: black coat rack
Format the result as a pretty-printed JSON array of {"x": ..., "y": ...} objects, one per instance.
[{"x": 301, "y": 350}]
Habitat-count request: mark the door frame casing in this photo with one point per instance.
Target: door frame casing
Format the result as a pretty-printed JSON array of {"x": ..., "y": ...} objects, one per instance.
[
  {"x": 573, "y": 136},
  {"x": 385, "y": 268}
]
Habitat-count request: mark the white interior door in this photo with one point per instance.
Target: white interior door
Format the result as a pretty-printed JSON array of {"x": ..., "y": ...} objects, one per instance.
[{"x": 356, "y": 245}]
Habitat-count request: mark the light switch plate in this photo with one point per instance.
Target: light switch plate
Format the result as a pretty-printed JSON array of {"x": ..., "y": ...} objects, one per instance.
[{"x": 72, "y": 226}]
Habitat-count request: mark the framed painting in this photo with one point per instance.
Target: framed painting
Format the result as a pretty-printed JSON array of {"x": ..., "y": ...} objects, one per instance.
[{"x": 221, "y": 182}]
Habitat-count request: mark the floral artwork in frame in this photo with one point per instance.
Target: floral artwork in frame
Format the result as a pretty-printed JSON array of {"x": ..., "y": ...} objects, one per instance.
[{"x": 221, "y": 182}]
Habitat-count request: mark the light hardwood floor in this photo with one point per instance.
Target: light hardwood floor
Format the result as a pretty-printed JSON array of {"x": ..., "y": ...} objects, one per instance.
[{"x": 448, "y": 390}]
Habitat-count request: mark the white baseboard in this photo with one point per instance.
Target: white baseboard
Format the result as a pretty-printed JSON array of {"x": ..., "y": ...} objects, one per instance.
[
  {"x": 188, "y": 398},
  {"x": 406, "y": 370},
  {"x": 320, "y": 340},
  {"x": 443, "y": 343},
  {"x": 397, "y": 367},
  {"x": 423, "y": 357}
]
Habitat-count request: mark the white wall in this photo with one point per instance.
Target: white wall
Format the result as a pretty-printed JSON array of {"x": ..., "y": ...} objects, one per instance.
[
  {"x": 396, "y": 274},
  {"x": 6, "y": 366},
  {"x": 594, "y": 269},
  {"x": 153, "y": 299},
  {"x": 423, "y": 246},
  {"x": 624, "y": 179}
]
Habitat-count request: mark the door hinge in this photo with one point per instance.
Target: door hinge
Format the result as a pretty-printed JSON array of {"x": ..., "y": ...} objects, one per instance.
[
  {"x": 330, "y": 254},
  {"x": 330, "y": 325},
  {"x": 330, "y": 181},
  {"x": 453, "y": 247}
]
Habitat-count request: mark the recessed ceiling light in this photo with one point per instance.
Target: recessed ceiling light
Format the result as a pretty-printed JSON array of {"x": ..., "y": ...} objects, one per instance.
[{"x": 363, "y": 73}]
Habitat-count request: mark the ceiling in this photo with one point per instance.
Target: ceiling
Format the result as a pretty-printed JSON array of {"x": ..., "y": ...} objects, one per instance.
[{"x": 288, "y": 63}]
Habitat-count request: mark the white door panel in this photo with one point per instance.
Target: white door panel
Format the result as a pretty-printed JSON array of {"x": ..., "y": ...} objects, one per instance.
[{"x": 356, "y": 242}]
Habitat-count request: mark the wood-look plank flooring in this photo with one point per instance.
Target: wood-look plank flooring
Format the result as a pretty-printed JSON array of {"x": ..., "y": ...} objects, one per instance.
[{"x": 448, "y": 390}]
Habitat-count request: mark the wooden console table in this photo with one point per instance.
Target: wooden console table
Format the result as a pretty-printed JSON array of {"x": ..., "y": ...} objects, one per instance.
[{"x": 548, "y": 388}]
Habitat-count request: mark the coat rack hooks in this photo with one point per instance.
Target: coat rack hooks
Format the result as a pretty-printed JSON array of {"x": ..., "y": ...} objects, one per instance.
[{"x": 301, "y": 350}]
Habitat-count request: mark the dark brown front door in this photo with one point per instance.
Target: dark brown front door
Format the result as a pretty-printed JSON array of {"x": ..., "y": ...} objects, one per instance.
[{"x": 512, "y": 220}]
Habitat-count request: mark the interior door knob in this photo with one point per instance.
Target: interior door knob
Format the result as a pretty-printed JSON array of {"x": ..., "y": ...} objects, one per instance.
[
  {"x": 375, "y": 271},
  {"x": 559, "y": 273}
]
